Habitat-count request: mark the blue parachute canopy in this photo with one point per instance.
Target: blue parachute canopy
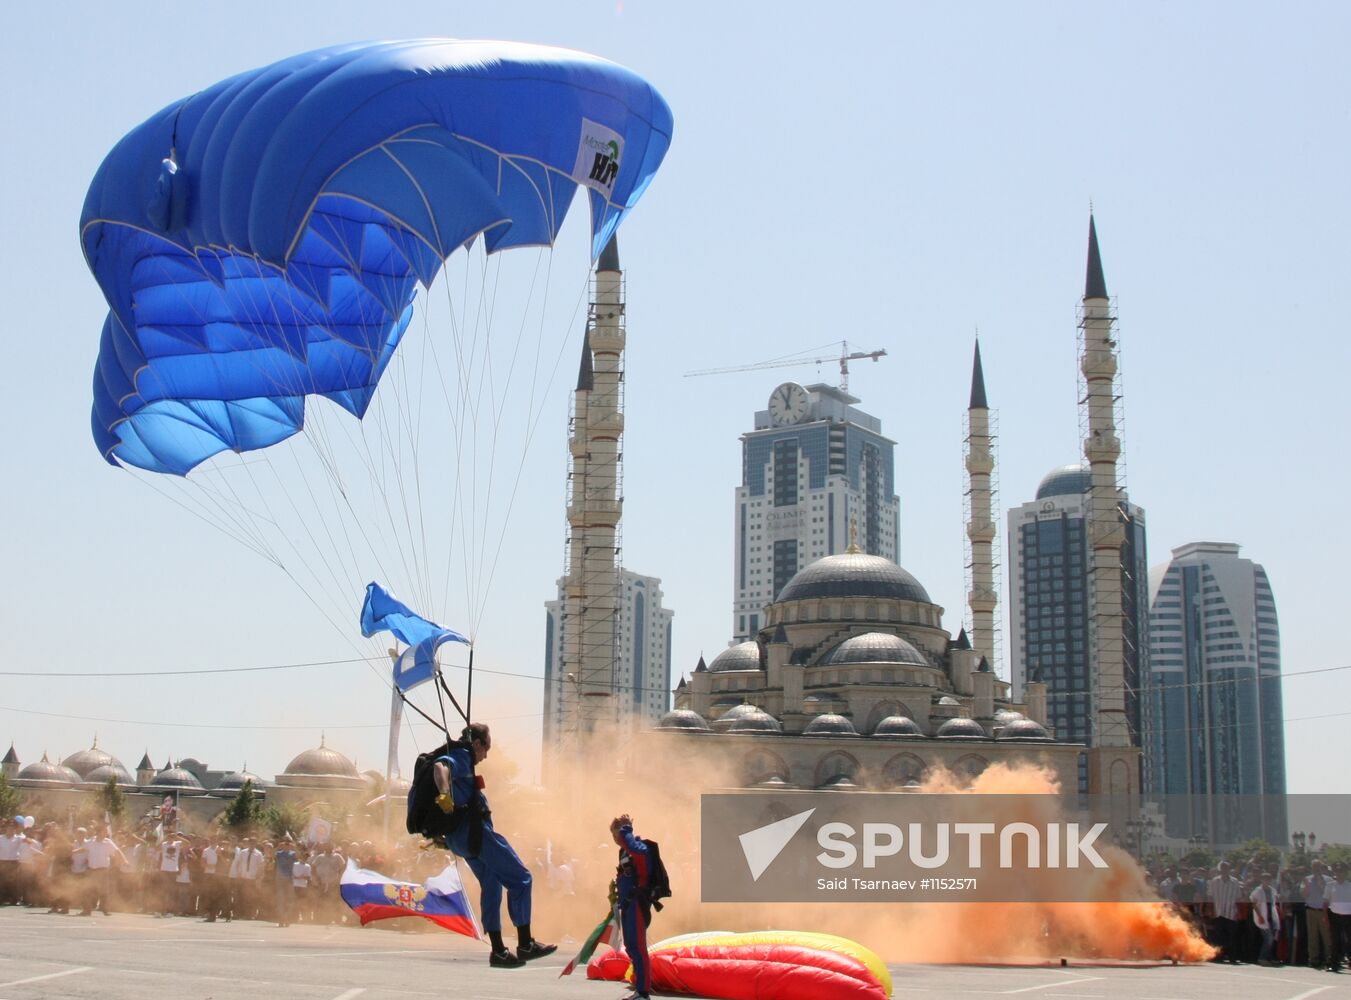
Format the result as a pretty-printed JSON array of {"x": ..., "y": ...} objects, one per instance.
[{"x": 262, "y": 240}]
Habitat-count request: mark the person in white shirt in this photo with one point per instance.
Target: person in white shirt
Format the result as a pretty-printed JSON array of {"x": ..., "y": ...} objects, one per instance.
[
  {"x": 1225, "y": 892},
  {"x": 300, "y": 878},
  {"x": 100, "y": 852},
  {"x": 30, "y": 858},
  {"x": 1266, "y": 914},
  {"x": 210, "y": 889},
  {"x": 245, "y": 868},
  {"x": 11, "y": 836},
  {"x": 170, "y": 856},
  {"x": 1338, "y": 898},
  {"x": 1312, "y": 890}
]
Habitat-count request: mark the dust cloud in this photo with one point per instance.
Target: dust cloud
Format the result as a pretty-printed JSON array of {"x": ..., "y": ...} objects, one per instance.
[{"x": 568, "y": 823}]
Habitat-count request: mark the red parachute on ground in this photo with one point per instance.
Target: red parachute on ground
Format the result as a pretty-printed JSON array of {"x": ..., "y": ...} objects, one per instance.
[{"x": 783, "y": 965}]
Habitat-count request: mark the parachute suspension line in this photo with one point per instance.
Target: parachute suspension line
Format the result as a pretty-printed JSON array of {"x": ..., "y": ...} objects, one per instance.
[
  {"x": 469, "y": 696},
  {"x": 182, "y": 501},
  {"x": 534, "y": 424}
]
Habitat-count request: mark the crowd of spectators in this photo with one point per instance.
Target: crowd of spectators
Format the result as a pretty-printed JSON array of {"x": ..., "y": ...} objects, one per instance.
[
  {"x": 169, "y": 873},
  {"x": 1298, "y": 915}
]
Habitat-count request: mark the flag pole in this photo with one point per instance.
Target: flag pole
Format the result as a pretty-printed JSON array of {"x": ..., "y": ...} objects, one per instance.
[{"x": 395, "y": 717}]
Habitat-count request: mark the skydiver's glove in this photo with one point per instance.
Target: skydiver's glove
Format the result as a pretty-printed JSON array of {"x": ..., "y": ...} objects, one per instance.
[{"x": 446, "y": 803}]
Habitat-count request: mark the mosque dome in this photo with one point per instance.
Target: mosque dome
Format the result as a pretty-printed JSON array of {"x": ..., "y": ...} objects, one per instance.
[
  {"x": 45, "y": 774},
  {"x": 853, "y": 574},
  {"x": 742, "y": 656},
  {"x": 683, "y": 719},
  {"x": 830, "y": 725},
  {"x": 100, "y": 775},
  {"x": 737, "y": 711},
  {"x": 87, "y": 760},
  {"x": 897, "y": 725},
  {"x": 322, "y": 762},
  {"x": 961, "y": 729},
  {"x": 177, "y": 779},
  {"x": 1065, "y": 481},
  {"x": 874, "y": 647},
  {"x": 1024, "y": 729},
  {"x": 947, "y": 699},
  {"x": 1004, "y": 716},
  {"x": 398, "y": 787},
  {"x": 755, "y": 721},
  {"x": 321, "y": 768},
  {"x": 235, "y": 780}
]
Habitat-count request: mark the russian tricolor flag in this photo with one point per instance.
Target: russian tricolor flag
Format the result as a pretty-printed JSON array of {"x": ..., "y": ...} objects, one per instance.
[{"x": 441, "y": 900}]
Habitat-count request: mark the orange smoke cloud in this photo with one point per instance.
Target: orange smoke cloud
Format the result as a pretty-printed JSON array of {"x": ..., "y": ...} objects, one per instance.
[{"x": 569, "y": 822}]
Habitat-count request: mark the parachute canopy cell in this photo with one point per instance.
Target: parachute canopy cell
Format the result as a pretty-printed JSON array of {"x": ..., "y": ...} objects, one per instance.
[{"x": 261, "y": 241}]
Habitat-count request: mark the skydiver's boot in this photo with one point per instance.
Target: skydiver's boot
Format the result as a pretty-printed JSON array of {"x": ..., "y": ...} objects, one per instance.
[
  {"x": 501, "y": 956},
  {"x": 527, "y": 948}
]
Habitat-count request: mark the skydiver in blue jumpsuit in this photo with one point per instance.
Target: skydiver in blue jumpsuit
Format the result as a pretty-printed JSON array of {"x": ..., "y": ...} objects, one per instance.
[
  {"x": 632, "y": 881},
  {"x": 489, "y": 856}
]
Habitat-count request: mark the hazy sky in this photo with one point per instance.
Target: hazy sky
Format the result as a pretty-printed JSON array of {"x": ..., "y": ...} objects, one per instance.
[{"x": 891, "y": 174}]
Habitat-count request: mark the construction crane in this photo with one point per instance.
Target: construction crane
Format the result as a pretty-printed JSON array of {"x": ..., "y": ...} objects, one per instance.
[{"x": 845, "y": 357}]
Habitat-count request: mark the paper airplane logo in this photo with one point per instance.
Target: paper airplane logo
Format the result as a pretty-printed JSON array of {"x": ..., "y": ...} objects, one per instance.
[{"x": 763, "y": 844}]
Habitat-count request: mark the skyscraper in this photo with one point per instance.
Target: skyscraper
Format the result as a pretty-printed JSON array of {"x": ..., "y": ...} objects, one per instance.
[
  {"x": 643, "y": 667},
  {"x": 815, "y": 472},
  {"x": 1051, "y": 603},
  {"x": 1214, "y": 724}
]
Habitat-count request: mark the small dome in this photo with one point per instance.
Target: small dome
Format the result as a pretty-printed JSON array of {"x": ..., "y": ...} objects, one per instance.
[
  {"x": 755, "y": 722},
  {"x": 830, "y": 725},
  {"x": 398, "y": 788},
  {"x": 1024, "y": 729},
  {"x": 821, "y": 698},
  {"x": 191, "y": 764},
  {"x": 87, "y": 760},
  {"x": 100, "y": 775},
  {"x": 853, "y": 574},
  {"x": 743, "y": 656},
  {"x": 842, "y": 783},
  {"x": 962, "y": 729},
  {"x": 737, "y": 711},
  {"x": 321, "y": 762},
  {"x": 236, "y": 780},
  {"x": 46, "y": 774},
  {"x": 176, "y": 777},
  {"x": 947, "y": 699},
  {"x": 897, "y": 725},
  {"x": 1004, "y": 716},
  {"x": 874, "y": 647},
  {"x": 1065, "y": 481},
  {"x": 683, "y": 718}
]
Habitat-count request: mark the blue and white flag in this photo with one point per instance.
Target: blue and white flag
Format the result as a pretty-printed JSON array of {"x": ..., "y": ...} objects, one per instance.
[
  {"x": 385, "y": 613},
  {"x": 418, "y": 663},
  {"x": 441, "y": 899}
]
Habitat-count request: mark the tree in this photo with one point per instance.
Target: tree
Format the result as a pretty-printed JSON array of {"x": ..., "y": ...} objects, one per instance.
[
  {"x": 111, "y": 801},
  {"x": 243, "y": 813},
  {"x": 284, "y": 820},
  {"x": 11, "y": 799},
  {"x": 1267, "y": 857}
]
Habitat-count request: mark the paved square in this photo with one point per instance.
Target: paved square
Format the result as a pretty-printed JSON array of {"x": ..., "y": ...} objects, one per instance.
[{"x": 131, "y": 956}]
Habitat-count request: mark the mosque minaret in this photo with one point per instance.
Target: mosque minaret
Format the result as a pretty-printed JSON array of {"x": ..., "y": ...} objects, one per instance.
[
  {"x": 983, "y": 597},
  {"x": 591, "y": 586},
  {"x": 1113, "y": 763}
]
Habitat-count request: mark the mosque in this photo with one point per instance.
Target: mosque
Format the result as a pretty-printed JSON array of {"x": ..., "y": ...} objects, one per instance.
[
  {"x": 850, "y": 679},
  {"x": 321, "y": 774}
]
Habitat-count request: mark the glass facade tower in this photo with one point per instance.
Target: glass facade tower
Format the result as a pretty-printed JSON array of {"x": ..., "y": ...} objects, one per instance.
[
  {"x": 1214, "y": 728},
  {"x": 811, "y": 480},
  {"x": 643, "y": 670},
  {"x": 1051, "y": 605}
]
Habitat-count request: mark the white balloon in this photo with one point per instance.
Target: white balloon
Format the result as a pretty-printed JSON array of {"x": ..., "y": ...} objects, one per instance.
[{"x": 28, "y": 822}]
